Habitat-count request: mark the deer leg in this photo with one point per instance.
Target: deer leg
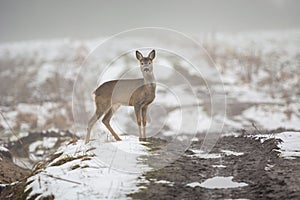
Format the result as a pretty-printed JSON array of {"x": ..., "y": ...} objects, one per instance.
[
  {"x": 137, "y": 109},
  {"x": 144, "y": 117},
  {"x": 91, "y": 123},
  {"x": 106, "y": 120}
]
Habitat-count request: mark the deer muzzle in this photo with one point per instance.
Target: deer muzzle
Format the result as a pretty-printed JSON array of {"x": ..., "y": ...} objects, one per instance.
[{"x": 146, "y": 69}]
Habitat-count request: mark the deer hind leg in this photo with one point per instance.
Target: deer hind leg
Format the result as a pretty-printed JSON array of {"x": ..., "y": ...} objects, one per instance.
[
  {"x": 144, "y": 117},
  {"x": 137, "y": 109},
  {"x": 91, "y": 123},
  {"x": 106, "y": 120}
]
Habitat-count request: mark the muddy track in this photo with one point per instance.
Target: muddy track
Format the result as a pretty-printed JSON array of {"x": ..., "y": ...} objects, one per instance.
[
  {"x": 11, "y": 173},
  {"x": 267, "y": 174}
]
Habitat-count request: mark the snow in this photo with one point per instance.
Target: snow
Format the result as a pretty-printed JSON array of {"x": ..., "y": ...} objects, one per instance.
[
  {"x": 229, "y": 153},
  {"x": 45, "y": 72},
  {"x": 245, "y": 93},
  {"x": 31, "y": 115},
  {"x": 188, "y": 120},
  {"x": 273, "y": 116},
  {"x": 231, "y": 133},
  {"x": 9, "y": 120},
  {"x": 231, "y": 123},
  {"x": 45, "y": 143},
  {"x": 218, "y": 182},
  {"x": 205, "y": 155},
  {"x": 169, "y": 183},
  {"x": 97, "y": 178},
  {"x": 272, "y": 104},
  {"x": 3, "y": 148},
  {"x": 43, "y": 57},
  {"x": 194, "y": 184},
  {"x": 268, "y": 167},
  {"x": 289, "y": 147},
  {"x": 219, "y": 166}
]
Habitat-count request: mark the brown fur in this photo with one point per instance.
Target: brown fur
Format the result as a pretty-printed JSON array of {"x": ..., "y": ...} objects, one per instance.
[{"x": 126, "y": 92}]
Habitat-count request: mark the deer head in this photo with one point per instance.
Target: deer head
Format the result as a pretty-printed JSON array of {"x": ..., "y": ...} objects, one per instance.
[{"x": 146, "y": 64}]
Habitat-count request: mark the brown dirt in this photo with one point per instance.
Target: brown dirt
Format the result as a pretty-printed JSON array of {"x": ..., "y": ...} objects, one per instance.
[
  {"x": 11, "y": 173},
  {"x": 282, "y": 181}
]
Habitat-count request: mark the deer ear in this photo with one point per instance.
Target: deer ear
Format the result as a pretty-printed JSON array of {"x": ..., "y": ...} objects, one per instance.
[
  {"x": 138, "y": 55},
  {"x": 152, "y": 54}
]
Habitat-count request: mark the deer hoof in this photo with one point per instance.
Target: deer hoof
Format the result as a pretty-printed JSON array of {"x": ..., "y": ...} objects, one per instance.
[
  {"x": 142, "y": 139},
  {"x": 118, "y": 139}
]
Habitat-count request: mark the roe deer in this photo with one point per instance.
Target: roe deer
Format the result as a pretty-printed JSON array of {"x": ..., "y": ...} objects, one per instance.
[{"x": 127, "y": 92}]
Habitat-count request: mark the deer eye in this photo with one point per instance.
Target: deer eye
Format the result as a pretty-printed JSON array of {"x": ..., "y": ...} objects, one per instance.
[
  {"x": 142, "y": 63},
  {"x": 149, "y": 63}
]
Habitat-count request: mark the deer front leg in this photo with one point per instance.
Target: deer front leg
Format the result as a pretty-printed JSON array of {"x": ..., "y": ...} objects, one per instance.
[
  {"x": 144, "y": 116},
  {"x": 137, "y": 109},
  {"x": 91, "y": 123}
]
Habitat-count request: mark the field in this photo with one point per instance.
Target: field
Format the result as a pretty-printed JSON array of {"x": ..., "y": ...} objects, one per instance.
[{"x": 225, "y": 123}]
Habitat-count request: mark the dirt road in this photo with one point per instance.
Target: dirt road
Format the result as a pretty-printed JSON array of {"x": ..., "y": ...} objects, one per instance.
[{"x": 257, "y": 164}]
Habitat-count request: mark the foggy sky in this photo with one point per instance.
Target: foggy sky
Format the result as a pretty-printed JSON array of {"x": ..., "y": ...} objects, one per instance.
[{"x": 35, "y": 19}]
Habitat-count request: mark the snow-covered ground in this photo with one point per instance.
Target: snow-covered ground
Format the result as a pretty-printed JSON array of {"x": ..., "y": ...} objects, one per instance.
[
  {"x": 289, "y": 143},
  {"x": 274, "y": 116},
  {"x": 93, "y": 171},
  {"x": 255, "y": 69},
  {"x": 259, "y": 86},
  {"x": 3, "y": 148},
  {"x": 218, "y": 182}
]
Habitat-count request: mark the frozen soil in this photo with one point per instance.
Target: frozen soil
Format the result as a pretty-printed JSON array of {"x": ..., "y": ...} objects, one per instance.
[
  {"x": 257, "y": 164},
  {"x": 10, "y": 172},
  {"x": 268, "y": 175},
  {"x": 12, "y": 178}
]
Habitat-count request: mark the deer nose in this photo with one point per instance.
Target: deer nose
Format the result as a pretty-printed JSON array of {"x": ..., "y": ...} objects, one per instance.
[{"x": 146, "y": 69}]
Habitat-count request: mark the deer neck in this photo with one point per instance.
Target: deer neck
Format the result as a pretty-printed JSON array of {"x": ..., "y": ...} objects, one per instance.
[{"x": 149, "y": 79}]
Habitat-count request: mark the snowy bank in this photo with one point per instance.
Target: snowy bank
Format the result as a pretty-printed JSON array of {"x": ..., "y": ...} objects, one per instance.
[
  {"x": 289, "y": 145},
  {"x": 93, "y": 171}
]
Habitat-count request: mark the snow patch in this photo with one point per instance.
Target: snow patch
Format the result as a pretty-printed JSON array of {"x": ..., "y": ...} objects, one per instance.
[
  {"x": 194, "y": 184},
  {"x": 229, "y": 153},
  {"x": 205, "y": 155},
  {"x": 218, "y": 182},
  {"x": 47, "y": 143},
  {"x": 219, "y": 166},
  {"x": 165, "y": 182},
  {"x": 3, "y": 148},
  {"x": 230, "y": 133}
]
